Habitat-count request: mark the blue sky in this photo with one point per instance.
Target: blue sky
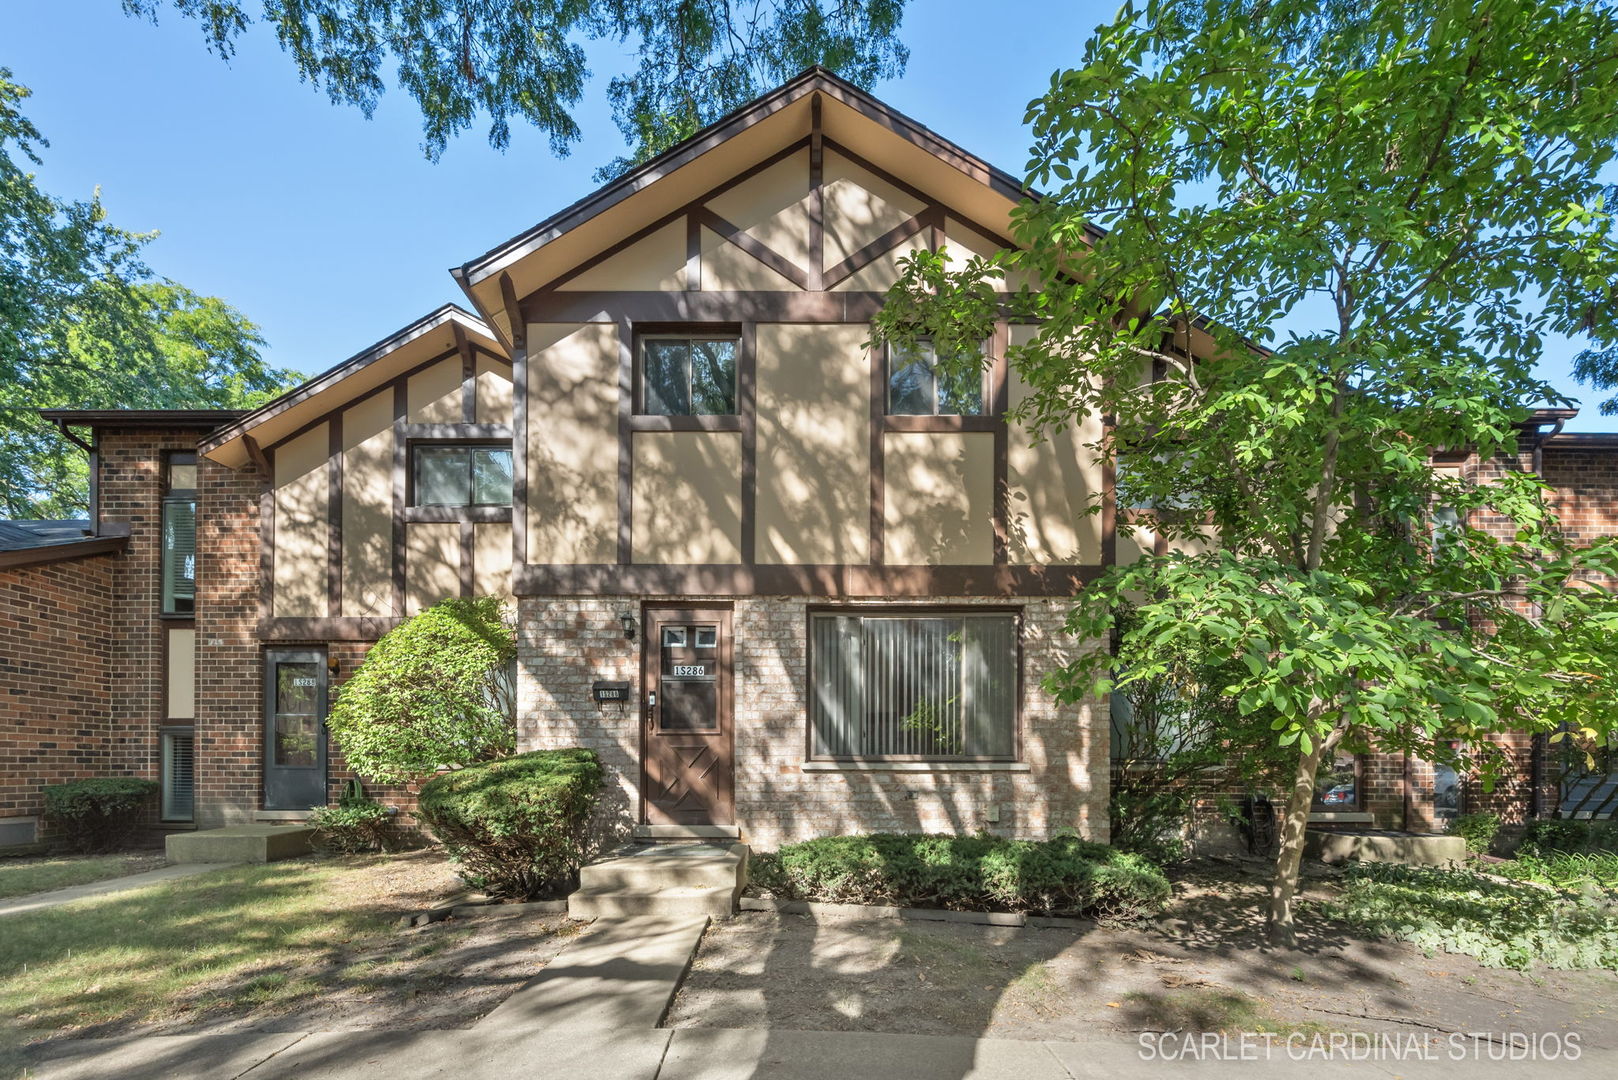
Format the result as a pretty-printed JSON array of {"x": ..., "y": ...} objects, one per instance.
[{"x": 331, "y": 230}]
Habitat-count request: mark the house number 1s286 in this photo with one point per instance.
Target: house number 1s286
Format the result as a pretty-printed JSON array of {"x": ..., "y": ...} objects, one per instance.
[{"x": 697, "y": 670}]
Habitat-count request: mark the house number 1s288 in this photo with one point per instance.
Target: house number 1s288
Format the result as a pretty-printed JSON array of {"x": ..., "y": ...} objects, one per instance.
[{"x": 697, "y": 670}]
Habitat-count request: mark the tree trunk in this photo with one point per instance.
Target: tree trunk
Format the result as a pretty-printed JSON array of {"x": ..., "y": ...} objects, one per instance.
[{"x": 1284, "y": 884}]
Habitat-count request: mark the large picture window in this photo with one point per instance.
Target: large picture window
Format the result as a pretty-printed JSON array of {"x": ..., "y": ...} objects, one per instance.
[
  {"x": 917, "y": 686},
  {"x": 461, "y": 475},
  {"x": 917, "y": 388},
  {"x": 179, "y": 559},
  {"x": 688, "y": 375}
]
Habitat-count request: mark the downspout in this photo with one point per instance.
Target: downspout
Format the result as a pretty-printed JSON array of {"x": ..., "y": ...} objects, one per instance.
[{"x": 94, "y": 450}]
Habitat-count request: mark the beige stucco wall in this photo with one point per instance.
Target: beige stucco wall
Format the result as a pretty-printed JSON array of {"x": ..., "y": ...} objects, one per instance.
[
  {"x": 938, "y": 498},
  {"x": 1053, "y": 485},
  {"x": 182, "y": 673},
  {"x": 573, "y": 443},
  {"x": 773, "y": 207},
  {"x": 688, "y": 497},
  {"x": 301, "y": 496},
  {"x": 654, "y": 263},
  {"x": 368, "y": 507},
  {"x": 859, "y": 207},
  {"x": 432, "y": 563},
  {"x": 493, "y": 390},
  {"x": 814, "y": 449},
  {"x": 491, "y": 558},
  {"x": 434, "y": 394},
  {"x": 726, "y": 266}
]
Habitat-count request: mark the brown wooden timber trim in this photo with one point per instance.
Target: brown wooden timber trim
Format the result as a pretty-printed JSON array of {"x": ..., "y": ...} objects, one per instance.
[
  {"x": 626, "y": 447},
  {"x": 835, "y": 580},
  {"x": 450, "y": 432},
  {"x": 754, "y": 247},
  {"x": 879, "y": 407},
  {"x": 266, "y": 539},
  {"x": 693, "y": 253},
  {"x": 416, "y": 515},
  {"x": 403, "y": 377},
  {"x": 920, "y": 196},
  {"x": 1109, "y": 510},
  {"x": 648, "y": 422},
  {"x": 817, "y": 197},
  {"x": 942, "y": 423},
  {"x": 73, "y": 549},
  {"x": 999, "y": 399},
  {"x": 313, "y": 629},
  {"x": 401, "y": 479},
  {"x": 519, "y": 455},
  {"x": 514, "y": 315},
  {"x": 468, "y": 550},
  {"x": 469, "y": 375},
  {"x": 881, "y": 246},
  {"x": 747, "y": 395},
  {"x": 255, "y": 454},
  {"x": 708, "y": 307},
  {"x": 334, "y": 515}
]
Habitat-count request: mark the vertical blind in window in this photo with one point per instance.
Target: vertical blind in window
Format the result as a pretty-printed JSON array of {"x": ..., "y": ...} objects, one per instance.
[
  {"x": 179, "y": 555},
  {"x": 940, "y": 686},
  {"x": 179, "y": 775}
]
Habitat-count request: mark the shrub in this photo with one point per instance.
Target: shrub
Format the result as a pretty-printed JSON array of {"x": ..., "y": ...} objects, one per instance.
[
  {"x": 966, "y": 873},
  {"x": 1568, "y": 871},
  {"x": 100, "y": 814},
  {"x": 518, "y": 828},
  {"x": 1478, "y": 830},
  {"x": 434, "y": 693},
  {"x": 352, "y": 827},
  {"x": 1567, "y": 835},
  {"x": 1499, "y": 924}
]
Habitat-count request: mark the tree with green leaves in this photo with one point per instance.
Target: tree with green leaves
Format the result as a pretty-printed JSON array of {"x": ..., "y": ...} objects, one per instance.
[
  {"x": 1290, "y": 249},
  {"x": 525, "y": 60},
  {"x": 85, "y": 324}
]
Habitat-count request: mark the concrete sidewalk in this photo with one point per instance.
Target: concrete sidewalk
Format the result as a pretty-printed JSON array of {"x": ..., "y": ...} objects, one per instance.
[
  {"x": 35, "y": 902},
  {"x": 592, "y": 1014}
]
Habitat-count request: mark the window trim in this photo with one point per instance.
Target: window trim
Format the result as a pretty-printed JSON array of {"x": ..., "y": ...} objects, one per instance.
[
  {"x": 164, "y": 733},
  {"x": 467, "y": 512},
  {"x": 1357, "y": 807},
  {"x": 174, "y": 495},
  {"x": 813, "y": 762},
  {"x": 986, "y": 396},
  {"x": 641, "y": 420}
]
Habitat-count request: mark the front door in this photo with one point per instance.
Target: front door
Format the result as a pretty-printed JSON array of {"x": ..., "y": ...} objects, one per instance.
[
  {"x": 294, "y": 729},
  {"x": 687, "y": 770}
]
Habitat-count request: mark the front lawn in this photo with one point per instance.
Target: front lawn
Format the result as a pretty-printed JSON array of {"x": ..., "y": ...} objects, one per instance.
[
  {"x": 23, "y": 877},
  {"x": 288, "y": 946}
]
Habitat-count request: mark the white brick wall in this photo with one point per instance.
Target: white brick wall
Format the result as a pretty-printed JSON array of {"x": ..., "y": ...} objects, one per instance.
[{"x": 565, "y": 644}]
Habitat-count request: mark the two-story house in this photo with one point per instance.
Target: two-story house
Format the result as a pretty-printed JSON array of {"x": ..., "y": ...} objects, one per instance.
[{"x": 786, "y": 583}]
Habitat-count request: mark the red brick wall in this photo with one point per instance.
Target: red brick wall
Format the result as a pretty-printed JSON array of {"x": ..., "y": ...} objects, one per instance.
[{"x": 55, "y": 689}]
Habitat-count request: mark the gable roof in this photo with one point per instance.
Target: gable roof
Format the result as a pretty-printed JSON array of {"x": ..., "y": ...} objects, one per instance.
[
  {"x": 428, "y": 338},
  {"x": 815, "y": 100}
]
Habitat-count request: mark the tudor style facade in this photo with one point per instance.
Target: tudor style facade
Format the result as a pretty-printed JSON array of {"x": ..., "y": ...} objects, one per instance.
[{"x": 785, "y": 583}]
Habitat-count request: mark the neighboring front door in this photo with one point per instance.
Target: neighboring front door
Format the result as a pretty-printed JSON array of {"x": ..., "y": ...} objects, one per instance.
[
  {"x": 687, "y": 770},
  {"x": 294, "y": 729}
]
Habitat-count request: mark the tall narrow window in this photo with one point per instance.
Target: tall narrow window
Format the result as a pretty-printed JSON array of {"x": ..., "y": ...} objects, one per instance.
[
  {"x": 913, "y": 686},
  {"x": 179, "y": 562},
  {"x": 688, "y": 376},
  {"x": 917, "y": 388},
  {"x": 178, "y": 775}
]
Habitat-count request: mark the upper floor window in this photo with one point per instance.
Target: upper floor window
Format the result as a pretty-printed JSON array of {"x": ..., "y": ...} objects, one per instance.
[
  {"x": 179, "y": 560},
  {"x": 449, "y": 474},
  {"x": 917, "y": 388},
  {"x": 688, "y": 375}
]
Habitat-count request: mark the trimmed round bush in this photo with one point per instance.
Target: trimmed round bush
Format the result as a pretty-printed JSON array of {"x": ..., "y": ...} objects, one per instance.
[
  {"x": 352, "y": 827},
  {"x": 518, "y": 828},
  {"x": 99, "y": 814},
  {"x": 1063, "y": 876},
  {"x": 434, "y": 693}
]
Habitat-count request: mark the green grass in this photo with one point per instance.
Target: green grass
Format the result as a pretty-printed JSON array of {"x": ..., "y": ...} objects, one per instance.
[
  {"x": 1208, "y": 1008},
  {"x": 254, "y": 932},
  {"x": 22, "y": 877}
]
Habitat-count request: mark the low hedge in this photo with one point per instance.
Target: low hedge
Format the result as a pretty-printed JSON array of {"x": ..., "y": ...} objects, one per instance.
[
  {"x": 1064, "y": 876},
  {"x": 100, "y": 814},
  {"x": 1570, "y": 836},
  {"x": 517, "y": 827}
]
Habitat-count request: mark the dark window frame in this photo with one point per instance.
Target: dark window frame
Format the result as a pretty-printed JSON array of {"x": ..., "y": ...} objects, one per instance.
[
  {"x": 415, "y": 511},
  {"x": 1316, "y": 806},
  {"x": 173, "y": 496},
  {"x": 919, "y": 611},
  {"x": 167, "y": 732},
  {"x": 986, "y": 407},
  {"x": 687, "y": 332}
]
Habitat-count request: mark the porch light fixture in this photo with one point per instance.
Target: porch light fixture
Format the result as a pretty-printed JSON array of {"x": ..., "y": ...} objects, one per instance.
[{"x": 627, "y": 619}]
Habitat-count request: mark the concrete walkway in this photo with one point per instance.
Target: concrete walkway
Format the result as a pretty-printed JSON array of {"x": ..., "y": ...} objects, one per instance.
[
  {"x": 19, "y": 904},
  {"x": 592, "y": 1014}
]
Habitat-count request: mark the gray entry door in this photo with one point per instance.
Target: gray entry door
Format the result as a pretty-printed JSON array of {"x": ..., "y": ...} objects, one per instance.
[{"x": 294, "y": 729}]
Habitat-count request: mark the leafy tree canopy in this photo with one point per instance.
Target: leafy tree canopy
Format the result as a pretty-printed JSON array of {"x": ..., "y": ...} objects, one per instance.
[
  {"x": 1412, "y": 188},
  {"x": 85, "y": 324},
  {"x": 524, "y": 59}
]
